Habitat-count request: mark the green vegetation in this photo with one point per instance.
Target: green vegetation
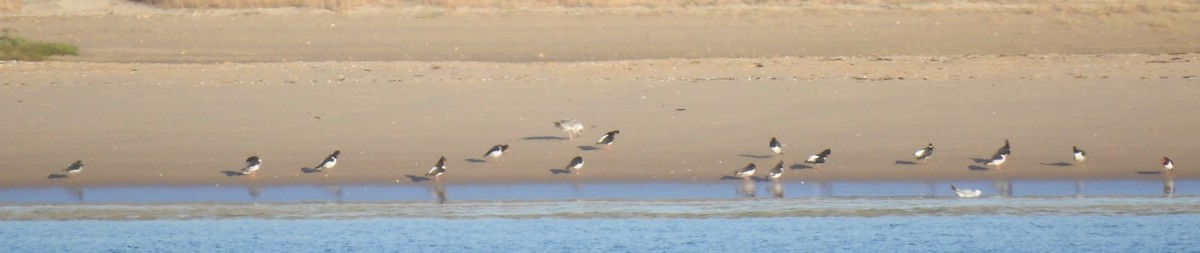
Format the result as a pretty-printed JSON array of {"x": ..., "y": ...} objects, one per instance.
[{"x": 20, "y": 49}]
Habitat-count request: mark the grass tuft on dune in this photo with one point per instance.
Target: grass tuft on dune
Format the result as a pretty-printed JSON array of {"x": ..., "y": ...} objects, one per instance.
[{"x": 21, "y": 49}]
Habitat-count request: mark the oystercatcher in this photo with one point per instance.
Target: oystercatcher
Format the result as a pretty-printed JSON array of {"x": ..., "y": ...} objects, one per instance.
[
  {"x": 438, "y": 169},
  {"x": 924, "y": 153},
  {"x": 1005, "y": 150},
  {"x": 819, "y": 158},
  {"x": 329, "y": 161},
  {"x": 75, "y": 167},
  {"x": 1079, "y": 154},
  {"x": 776, "y": 146},
  {"x": 496, "y": 151},
  {"x": 1168, "y": 164},
  {"x": 572, "y": 127},
  {"x": 745, "y": 172},
  {"x": 252, "y": 164},
  {"x": 998, "y": 160},
  {"x": 575, "y": 164},
  {"x": 608, "y": 138},
  {"x": 777, "y": 171}
]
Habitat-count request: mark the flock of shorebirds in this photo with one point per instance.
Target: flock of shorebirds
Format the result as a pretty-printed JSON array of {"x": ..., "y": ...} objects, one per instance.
[{"x": 574, "y": 129}]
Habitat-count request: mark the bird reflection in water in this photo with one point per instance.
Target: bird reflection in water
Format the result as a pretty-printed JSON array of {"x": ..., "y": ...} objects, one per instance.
[
  {"x": 439, "y": 192},
  {"x": 1004, "y": 188},
  {"x": 747, "y": 189},
  {"x": 776, "y": 189},
  {"x": 1169, "y": 186}
]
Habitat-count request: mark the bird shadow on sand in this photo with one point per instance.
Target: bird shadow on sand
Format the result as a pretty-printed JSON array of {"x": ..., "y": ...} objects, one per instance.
[
  {"x": 755, "y": 156},
  {"x": 417, "y": 179},
  {"x": 308, "y": 170},
  {"x": 230, "y": 173},
  {"x": 544, "y": 138},
  {"x": 473, "y": 160},
  {"x": 800, "y": 166},
  {"x": 1149, "y": 172},
  {"x": 903, "y": 162},
  {"x": 978, "y": 168},
  {"x": 560, "y": 171},
  {"x": 1059, "y": 164},
  {"x": 588, "y": 148},
  {"x": 56, "y": 176},
  {"x": 980, "y": 160}
]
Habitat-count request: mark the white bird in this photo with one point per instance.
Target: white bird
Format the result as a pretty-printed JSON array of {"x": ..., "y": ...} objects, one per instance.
[
  {"x": 329, "y": 161},
  {"x": 1168, "y": 164},
  {"x": 572, "y": 127},
  {"x": 745, "y": 172},
  {"x": 776, "y": 146},
  {"x": 998, "y": 161},
  {"x": 966, "y": 193},
  {"x": 1079, "y": 154},
  {"x": 496, "y": 151},
  {"x": 924, "y": 153},
  {"x": 777, "y": 171},
  {"x": 819, "y": 158},
  {"x": 252, "y": 164},
  {"x": 608, "y": 138},
  {"x": 575, "y": 164},
  {"x": 438, "y": 169},
  {"x": 75, "y": 167}
]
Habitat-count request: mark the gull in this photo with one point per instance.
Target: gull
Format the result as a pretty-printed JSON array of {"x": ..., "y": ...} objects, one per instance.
[
  {"x": 572, "y": 127},
  {"x": 965, "y": 193}
]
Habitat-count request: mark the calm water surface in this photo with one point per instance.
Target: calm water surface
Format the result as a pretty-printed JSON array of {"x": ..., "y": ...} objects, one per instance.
[{"x": 730, "y": 216}]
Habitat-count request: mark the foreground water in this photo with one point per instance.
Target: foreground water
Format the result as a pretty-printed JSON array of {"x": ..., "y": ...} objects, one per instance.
[{"x": 1035, "y": 216}]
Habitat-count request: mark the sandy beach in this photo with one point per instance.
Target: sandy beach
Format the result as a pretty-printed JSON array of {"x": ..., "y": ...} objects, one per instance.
[{"x": 174, "y": 97}]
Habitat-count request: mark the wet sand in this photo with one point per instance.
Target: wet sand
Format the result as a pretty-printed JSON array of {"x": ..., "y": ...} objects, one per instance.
[{"x": 695, "y": 97}]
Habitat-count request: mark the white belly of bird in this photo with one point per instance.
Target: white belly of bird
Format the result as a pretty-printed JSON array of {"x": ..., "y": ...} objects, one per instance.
[
  {"x": 919, "y": 153},
  {"x": 967, "y": 193},
  {"x": 1079, "y": 157}
]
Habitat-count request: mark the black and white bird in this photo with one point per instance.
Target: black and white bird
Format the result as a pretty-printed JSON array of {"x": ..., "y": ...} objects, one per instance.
[
  {"x": 438, "y": 169},
  {"x": 777, "y": 171},
  {"x": 997, "y": 161},
  {"x": 252, "y": 164},
  {"x": 924, "y": 153},
  {"x": 608, "y": 138},
  {"x": 496, "y": 151},
  {"x": 1079, "y": 154},
  {"x": 776, "y": 146},
  {"x": 745, "y": 172},
  {"x": 1168, "y": 164},
  {"x": 572, "y": 127},
  {"x": 329, "y": 161},
  {"x": 1005, "y": 150},
  {"x": 575, "y": 164},
  {"x": 965, "y": 193},
  {"x": 75, "y": 167},
  {"x": 819, "y": 158}
]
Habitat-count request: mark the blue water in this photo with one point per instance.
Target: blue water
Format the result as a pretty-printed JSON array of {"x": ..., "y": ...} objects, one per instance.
[
  {"x": 1161, "y": 233},
  {"x": 731, "y": 216}
]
